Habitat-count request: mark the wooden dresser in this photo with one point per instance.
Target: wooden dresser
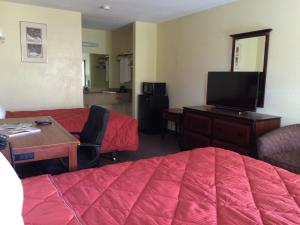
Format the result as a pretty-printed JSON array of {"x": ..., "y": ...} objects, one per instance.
[{"x": 207, "y": 126}]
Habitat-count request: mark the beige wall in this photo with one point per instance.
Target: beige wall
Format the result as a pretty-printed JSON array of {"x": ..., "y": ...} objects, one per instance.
[
  {"x": 191, "y": 46},
  {"x": 56, "y": 84},
  {"x": 145, "y": 52},
  {"x": 122, "y": 42},
  {"x": 100, "y": 37}
]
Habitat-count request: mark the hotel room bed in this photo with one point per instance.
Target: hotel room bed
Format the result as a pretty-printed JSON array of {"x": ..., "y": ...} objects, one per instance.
[
  {"x": 121, "y": 133},
  {"x": 202, "y": 186}
]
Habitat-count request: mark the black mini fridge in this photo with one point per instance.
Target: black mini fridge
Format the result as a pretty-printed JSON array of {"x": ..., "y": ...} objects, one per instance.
[{"x": 150, "y": 111}]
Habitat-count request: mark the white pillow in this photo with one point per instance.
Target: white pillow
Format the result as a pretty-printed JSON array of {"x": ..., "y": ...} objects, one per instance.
[
  {"x": 2, "y": 113},
  {"x": 11, "y": 195}
]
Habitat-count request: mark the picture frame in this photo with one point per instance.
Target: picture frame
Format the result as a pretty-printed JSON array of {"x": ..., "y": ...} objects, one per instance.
[
  {"x": 237, "y": 55},
  {"x": 33, "y": 42}
]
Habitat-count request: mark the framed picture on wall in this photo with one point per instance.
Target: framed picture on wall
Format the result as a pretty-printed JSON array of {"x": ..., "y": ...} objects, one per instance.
[
  {"x": 237, "y": 56},
  {"x": 33, "y": 42}
]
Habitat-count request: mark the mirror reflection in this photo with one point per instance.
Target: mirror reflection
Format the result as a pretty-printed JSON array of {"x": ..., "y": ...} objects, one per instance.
[
  {"x": 249, "y": 54},
  {"x": 96, "y": 71}
]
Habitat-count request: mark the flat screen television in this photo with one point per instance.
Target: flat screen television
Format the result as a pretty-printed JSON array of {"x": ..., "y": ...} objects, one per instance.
[{"x": 233, "y": 90}]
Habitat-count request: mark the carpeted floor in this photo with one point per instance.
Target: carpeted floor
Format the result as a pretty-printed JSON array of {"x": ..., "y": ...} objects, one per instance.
[{"x": 149, "y": 146}]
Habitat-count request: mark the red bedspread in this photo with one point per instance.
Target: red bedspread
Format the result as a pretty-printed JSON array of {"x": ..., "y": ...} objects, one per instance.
[
  {"x": 121, "y": 133},
  {"x": 203, "y": 186}
]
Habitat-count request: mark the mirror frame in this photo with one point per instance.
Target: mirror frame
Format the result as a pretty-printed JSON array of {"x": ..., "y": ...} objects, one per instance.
[{"x": 263, "y": 75}]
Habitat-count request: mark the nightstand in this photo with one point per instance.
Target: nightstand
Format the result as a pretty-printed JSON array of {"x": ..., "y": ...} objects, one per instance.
[{"x": 174, "y": 115}]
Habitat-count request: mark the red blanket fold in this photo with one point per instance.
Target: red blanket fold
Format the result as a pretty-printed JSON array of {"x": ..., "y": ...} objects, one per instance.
[
  {"x": 207, "y": 186},
  {"x": 121, "y": 133}
]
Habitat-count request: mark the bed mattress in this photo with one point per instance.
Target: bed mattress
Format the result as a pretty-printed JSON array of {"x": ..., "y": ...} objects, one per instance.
[
  {"x": 202, "y": 186},
  {"x": 121, "y": 133}
]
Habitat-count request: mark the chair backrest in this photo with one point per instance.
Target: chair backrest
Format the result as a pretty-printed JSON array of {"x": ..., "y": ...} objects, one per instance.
[
  {"x": 281, "y": 147},
  {"x": 94, "y": 128}
]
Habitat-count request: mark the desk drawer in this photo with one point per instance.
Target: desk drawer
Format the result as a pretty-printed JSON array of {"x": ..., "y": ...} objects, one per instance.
[
  {"x": 197, "y": 123},
  {"x": 232, "y": 132}
]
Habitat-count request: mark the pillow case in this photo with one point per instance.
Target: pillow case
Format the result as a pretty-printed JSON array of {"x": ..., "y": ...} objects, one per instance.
[{"x": 11, "y": 195}]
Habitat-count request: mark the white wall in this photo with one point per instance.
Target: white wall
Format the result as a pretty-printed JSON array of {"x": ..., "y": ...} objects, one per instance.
[
  {"x": 56, "y": 84},
  {"x": 191, "y": 46}
]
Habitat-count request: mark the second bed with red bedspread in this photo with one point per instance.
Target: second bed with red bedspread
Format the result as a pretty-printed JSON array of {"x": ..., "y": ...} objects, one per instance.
[
  {"x": 207, "y": 186},
  {"x": 121, "y": 133}
]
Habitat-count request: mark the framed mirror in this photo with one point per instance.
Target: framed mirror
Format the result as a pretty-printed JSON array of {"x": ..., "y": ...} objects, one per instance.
[
  {"x": 95, "y": 69},
  {"x": 250, "y": 54}
]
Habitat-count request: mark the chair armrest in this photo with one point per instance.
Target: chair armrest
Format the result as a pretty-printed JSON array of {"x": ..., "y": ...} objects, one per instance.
[
  {"x": 75, "y": 132},
  {"x": 89, "y": 145},
  {"x": 280, "y": 142}
]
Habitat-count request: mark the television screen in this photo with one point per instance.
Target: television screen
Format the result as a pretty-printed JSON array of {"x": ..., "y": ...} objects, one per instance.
[{"x": 233, "y": 90}]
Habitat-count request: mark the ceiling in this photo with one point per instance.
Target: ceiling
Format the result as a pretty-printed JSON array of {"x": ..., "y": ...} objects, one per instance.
[{"x": 124, "y": 12}]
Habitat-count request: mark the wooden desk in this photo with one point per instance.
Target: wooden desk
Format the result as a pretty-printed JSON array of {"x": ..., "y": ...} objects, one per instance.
[{"x": 52, "y": 142}]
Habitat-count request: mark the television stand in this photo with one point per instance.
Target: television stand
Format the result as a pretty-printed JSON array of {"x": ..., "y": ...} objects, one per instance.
[
  {"x": 206, "y": 126},
  {"x": 222, "y": 109}
]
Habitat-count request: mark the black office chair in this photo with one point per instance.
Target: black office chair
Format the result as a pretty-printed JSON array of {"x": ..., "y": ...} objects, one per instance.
[{"x": 91, "y": 137}]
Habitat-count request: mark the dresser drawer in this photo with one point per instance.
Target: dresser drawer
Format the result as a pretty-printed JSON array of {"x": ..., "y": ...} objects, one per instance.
[
  {"x": 197, "y": 123},
  {"x": 193, "y": 140},
  {"x": 232, "y": 132}
]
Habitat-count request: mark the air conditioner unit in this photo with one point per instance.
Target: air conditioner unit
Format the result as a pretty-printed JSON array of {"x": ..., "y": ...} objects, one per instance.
[{"x": 88, "y": 44}]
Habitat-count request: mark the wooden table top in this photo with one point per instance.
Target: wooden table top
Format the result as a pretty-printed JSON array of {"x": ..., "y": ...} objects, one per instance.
[{"x": 50, "y": 135}]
